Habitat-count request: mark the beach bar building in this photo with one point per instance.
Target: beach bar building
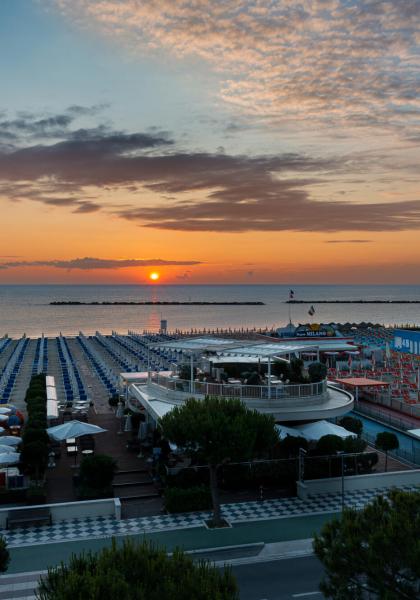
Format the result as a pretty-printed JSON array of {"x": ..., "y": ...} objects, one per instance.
[{"x": 286, "y": 401}]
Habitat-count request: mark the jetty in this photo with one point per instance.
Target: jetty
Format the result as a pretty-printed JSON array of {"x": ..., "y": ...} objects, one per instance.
[
  {"x": 153, "y": 303},
  {"x": 352, "y": 301}
]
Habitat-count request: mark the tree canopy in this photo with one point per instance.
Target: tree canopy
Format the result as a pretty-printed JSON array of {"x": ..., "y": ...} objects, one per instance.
[
  {"x": 215, "y": 431},
  {"x": 386, "y": 441},
  {"x": 375, "y": 550},
  {"x": 136, "y": 572}
]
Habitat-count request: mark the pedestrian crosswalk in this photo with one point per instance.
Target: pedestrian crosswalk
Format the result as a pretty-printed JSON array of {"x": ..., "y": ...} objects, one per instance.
[{"x": 19, "y": 586}]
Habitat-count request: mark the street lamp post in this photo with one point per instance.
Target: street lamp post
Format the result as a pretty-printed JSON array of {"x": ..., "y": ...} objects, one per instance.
[
  {"x": 342, "y": 479},
  {"x": 302, "y": 454}
]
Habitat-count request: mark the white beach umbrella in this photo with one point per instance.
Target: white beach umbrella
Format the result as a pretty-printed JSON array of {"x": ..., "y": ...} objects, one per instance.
[
  {"x": 4, "y": 449},
  {"x": 73, "y": 429},
  {"x": 3, "y": 418},
  {"x": 5, "y": 410},
  {"x": 10, "y": 440},
  {"x": 315, "y": 431},
  {"x": 9, "y": 458}
]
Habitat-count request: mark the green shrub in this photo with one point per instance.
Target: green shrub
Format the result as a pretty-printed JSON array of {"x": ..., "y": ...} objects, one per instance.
[
  {"x": 133, "y": 571},
  {"x": 187, "y": 499},
  {"x": 4, "y": 555},
  {"x": 34, "y": 434},
  {"x": 34, "y": 456},
  {"x": 317, "y": 371},
  {"x": 290, "y": 445},
  {"x": 329, "y": 444},
  {"x": 113, "y": 400},
  {"x": 353, "y": 445},
  {"x": 97, "y": 471},
  {"x": 352, "y": 424}
]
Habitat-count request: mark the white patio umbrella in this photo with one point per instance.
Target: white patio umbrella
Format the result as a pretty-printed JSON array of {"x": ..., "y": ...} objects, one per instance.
[
  {"x": 315, "y": 431},
  {"x": 9, "y": 458},
  {"x": 10, "y": 440},
  {"x": 5, "y": 410},
  {"x": 283, "y": 432},
  {"x": 3, "y": 418},
  {"x": 4, "y": 449},
  {"x": 73, "y": 429}
]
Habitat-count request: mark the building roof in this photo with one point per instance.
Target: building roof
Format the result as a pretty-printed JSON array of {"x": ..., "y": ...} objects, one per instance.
[
  {"x": 199, "y": 344},
  {"x": 357, "y": 382},
  {"x": 266, "y": 350}
]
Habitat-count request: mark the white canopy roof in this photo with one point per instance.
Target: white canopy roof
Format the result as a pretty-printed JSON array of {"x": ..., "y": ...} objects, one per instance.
[
  {"x": 267, "y": 350},
  {"x": 414, "y": 432},
  {"x": 284, "y": 431},
  {"x": 315, "y": 431},
  {"x": 51, "y": 393},
  {"x": 52, "y": 409},
  {"x": 199, "y": 344}
]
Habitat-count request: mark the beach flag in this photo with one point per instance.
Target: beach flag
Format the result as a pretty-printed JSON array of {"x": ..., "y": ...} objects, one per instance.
[
  {"x": 311, "y": 311},
  {"x": 291, "y": 294}
]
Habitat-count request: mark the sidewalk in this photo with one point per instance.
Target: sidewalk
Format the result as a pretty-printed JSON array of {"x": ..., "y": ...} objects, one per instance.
[{"x": 243, "y": 512}]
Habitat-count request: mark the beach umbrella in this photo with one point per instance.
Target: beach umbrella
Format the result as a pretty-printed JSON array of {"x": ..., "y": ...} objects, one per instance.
[
  {"x": 3, "y": 418},
  {"x": 315, "y": 431},
  {"x": 73, "y": 429},
  {"x": 4, "y": 410},
  {"x": 9, "y": 458},
  {"x": 10, "y": 440},
  {"x": 4, "y": 449}
]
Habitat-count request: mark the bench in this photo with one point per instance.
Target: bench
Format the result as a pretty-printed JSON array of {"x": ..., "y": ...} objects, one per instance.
[{"x": 28, "y": 516}]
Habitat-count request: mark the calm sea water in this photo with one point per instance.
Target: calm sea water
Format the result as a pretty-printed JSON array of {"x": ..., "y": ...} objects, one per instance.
[{"x": 26, "y": 309}]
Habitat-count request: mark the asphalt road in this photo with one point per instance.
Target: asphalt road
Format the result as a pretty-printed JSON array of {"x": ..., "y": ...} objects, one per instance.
[{"x": 287, "y": 579}]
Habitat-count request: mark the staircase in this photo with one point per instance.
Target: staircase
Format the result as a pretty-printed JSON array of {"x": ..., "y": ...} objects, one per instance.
[{"x": 134, "y": 484}]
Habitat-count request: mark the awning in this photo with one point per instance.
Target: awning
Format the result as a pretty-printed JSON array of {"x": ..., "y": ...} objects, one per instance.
[
  {"x": 360, "y": 382},
  {"x": 51, "y": 393}
]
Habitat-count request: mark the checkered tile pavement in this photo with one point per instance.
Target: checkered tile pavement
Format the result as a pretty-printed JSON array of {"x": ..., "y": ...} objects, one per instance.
[{"x": 99, "y": 527}]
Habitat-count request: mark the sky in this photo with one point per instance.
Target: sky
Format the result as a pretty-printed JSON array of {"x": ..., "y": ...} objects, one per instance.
[{"x": 265, "y": 141}]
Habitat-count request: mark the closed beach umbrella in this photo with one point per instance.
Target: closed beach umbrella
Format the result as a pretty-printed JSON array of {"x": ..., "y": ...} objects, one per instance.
[
  {"x": 10, "y": 440},
  {"x": 9, "y": 458},
  {"x": 73, "y": 429}
]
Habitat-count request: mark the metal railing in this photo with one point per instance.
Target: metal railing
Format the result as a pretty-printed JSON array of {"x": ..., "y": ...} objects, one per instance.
[{"x": 233, "y": 390}]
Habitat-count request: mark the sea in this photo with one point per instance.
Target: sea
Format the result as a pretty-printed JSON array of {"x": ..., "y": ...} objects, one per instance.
[{"x": 25, "y": 309}]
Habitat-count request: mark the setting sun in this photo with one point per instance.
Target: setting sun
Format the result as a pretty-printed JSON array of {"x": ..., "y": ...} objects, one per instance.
[{"x": 154, "y": 276}]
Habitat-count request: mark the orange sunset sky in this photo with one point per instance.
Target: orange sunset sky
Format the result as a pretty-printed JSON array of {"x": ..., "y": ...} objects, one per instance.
[{"x": 210, "y": 142}]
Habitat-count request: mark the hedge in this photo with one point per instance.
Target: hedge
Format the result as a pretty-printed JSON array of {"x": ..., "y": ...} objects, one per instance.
[{"x": 187, "y": 499}]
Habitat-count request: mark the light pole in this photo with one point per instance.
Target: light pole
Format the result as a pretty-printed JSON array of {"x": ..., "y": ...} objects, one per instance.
[
  {"x": 302, "y": 454},
  {"x": 342, "y": 479}
]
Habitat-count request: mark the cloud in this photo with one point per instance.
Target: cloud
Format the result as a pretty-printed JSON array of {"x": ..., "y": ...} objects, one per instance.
[
  {"x": 198, "y": 191},
  {"x": 348, "y": 241},
  {"x": 88, "y": 264},
  {"x": 321, "y": 62},
  {"x": 29, "y": 125}
]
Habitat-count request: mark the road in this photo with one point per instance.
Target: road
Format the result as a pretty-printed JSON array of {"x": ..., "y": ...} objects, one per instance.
[{"x": 286, "y": 579}]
